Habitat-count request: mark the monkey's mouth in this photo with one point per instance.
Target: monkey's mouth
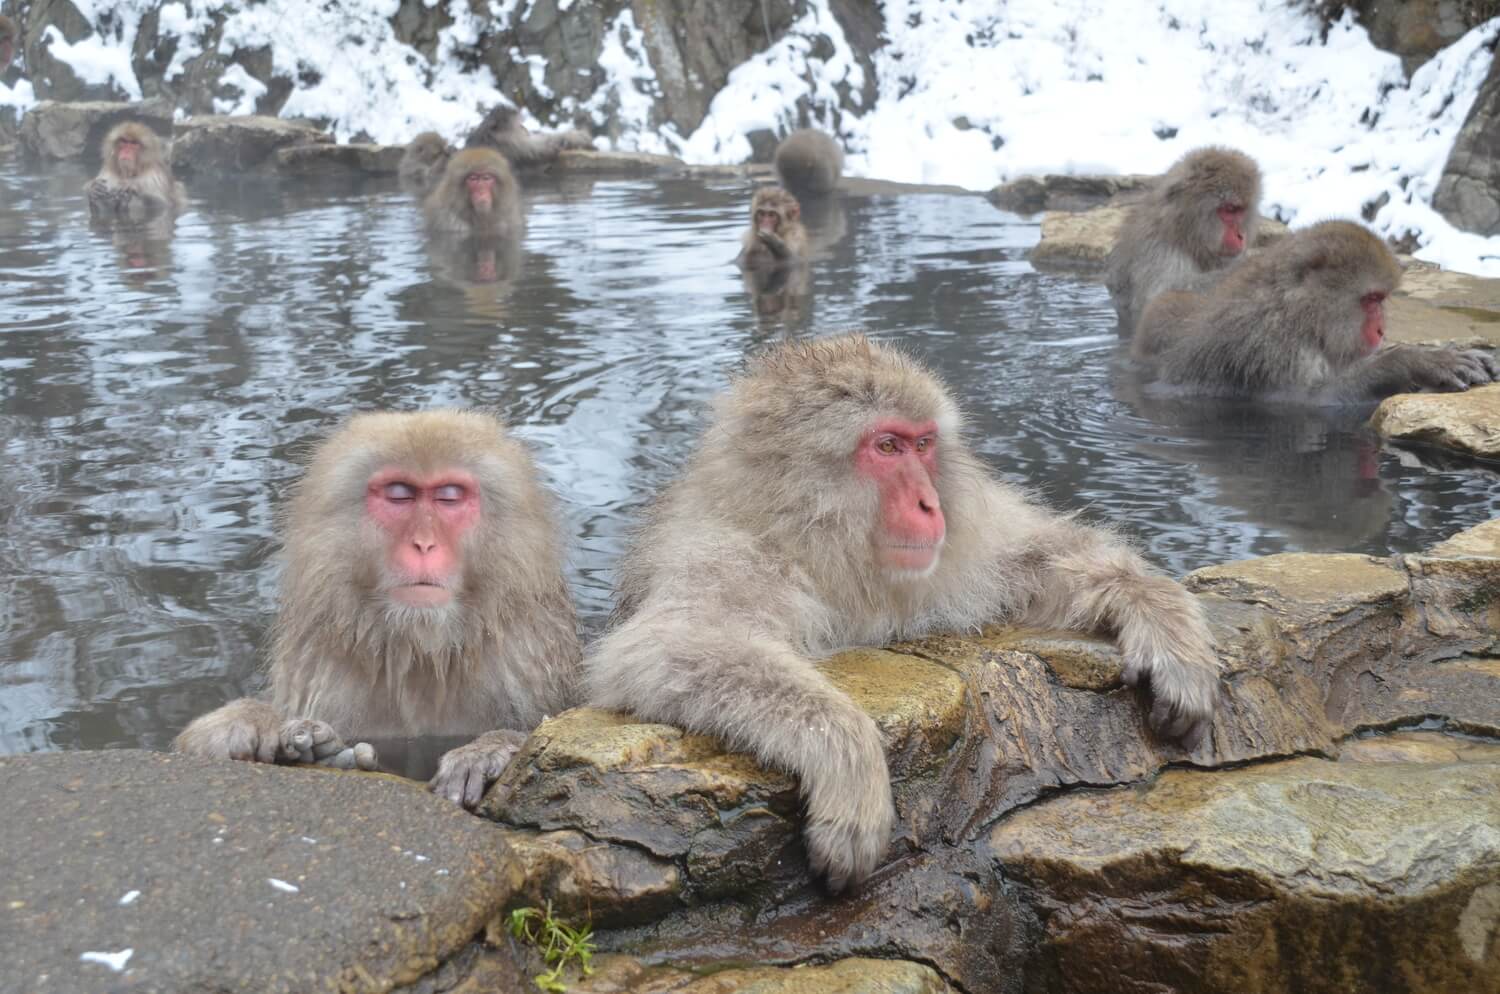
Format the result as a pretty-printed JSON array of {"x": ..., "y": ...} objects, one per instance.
[
  {"x": 422, "y": 593},
  {"x": 910, "y": 557}
]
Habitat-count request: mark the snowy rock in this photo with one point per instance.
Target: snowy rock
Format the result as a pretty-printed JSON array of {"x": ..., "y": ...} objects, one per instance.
[
  {"x": 234, "y": 145},
  {"x": 1033, "y": 194},
  {"x": 339, "y": 160},
  {"x": 53, "y": 130},
  {"x": 1416, "y": 30},
  {"x": 1468, "y": 194}
]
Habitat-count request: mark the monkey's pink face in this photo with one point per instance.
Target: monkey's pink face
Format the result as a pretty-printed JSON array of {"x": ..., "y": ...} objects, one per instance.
[
  {"x": 1372, "y": 326},
  {"x": 424, "y": 520},
  {"x": 1232, "y": 217},
  {"x": 481, "y": 187},
  {"x": 768, "y": 221},
  {"x": 127, "y": 155},
  {"x": 901, "y": 457}
]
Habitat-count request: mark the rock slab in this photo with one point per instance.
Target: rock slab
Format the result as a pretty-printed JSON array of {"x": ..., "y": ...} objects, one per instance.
[
  {"x": 153, "y": 872},
  {"x": 1467, "y": 422}
]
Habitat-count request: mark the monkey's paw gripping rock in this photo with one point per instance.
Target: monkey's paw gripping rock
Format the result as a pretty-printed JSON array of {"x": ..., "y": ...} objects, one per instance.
[
  {"x": 306, "y": 740},
  {"x": 360, "y": 756}
]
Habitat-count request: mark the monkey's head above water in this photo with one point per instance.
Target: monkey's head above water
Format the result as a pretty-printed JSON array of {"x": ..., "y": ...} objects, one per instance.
[
  {"x": 772, "y": 209},
  {"x": 480, "y": 178}
]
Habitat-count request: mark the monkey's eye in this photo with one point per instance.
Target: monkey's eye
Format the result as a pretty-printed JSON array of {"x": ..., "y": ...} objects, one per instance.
[
  {"x": 400, "y": 493},
  {"x": 448, "y": 493},
  {"x": 925, "y": 442},
  {"x": 887, "y": 445}
]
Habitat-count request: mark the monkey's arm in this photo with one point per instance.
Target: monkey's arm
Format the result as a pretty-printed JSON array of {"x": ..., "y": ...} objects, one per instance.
[
  {"x": 1407, "y": 368},
  {"x": 1089, "y": 580},
  {"x": 250, "y": 729},
  {"x": 773, "y": 242},
  {"x": 466, "y": 772},
  {"x": 703, "y": 666}
]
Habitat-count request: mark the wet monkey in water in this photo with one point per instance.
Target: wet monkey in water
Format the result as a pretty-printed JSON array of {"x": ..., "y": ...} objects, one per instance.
[
  {"x": 1303, "y": 320},
  {"x": 134, "y": 182},
  {"x": 422, "y": 593},
  {"x": 503, "y": 131},
  {"x": 776, "y": 236},
  {"x": 477, "y": 196},
  {"x": 832, "y": 502},
  {"x": 423, "y": 162},
  {"x": 809, "y": 162},
  {"x": 1195, "y": 222}
]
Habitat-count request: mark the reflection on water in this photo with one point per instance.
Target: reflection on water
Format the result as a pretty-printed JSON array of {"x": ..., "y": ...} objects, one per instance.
[{"x": 156, "y": 394}]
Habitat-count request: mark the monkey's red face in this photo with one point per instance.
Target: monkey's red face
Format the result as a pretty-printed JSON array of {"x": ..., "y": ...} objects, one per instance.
[
  {"x": 127, "y": 155},
  {"x": 1372, "y": 328},
  {"x": 1232, "y": 217},
  {"x": 481, "y": 187},
  {"x": 768, "y": 221},
  {"x": 901, "y": 458},
  {"x": 424, "y": 520}
]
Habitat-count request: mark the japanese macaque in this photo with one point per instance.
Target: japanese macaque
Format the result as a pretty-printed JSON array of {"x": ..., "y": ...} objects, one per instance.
[
  {"x": 8, "y": 38},
  {"x": 422, "y": 594},
  {"x": 503, "y": 131},
  {"x": 776, "y": 236},
  {"x": 1196, "y": 221},
  {"x": 423, "y": 162},
  {"x": 134, "y": 182},
  {"x": 476, "y": 196},
  {"x": 1304, "y": 320},
  {"x": 809, "y": 162},
  {"x": 832, "y": 503}
]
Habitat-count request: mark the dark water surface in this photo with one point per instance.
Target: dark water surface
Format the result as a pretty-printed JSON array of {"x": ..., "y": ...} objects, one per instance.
[{"x": 155, "y": 397}]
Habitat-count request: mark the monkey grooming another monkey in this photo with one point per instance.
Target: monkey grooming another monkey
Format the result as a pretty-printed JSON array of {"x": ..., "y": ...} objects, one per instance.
[
  {"x": 809, "y": 163},
  {"x": 134, "y": 182},
  {"x": 1196, "y": 221},
  {"x": 776, "y": 236},
  {"x": 476, "y": 196},
  {"x": 1304, "y": 320},
  {"x": 503, "y": 131},
  {"x": 423, "y": 162},
  {"x": 422, "y": 594},
  {"x": 832, "y": 502}
]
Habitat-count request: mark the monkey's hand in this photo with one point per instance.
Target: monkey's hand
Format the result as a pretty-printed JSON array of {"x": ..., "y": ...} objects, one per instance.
[
  {"x": 307, "y": 740},
  {"x": 465, "y": 772},
  {"x": 848, "y": 790},
  {"x": 573, "y": 138},
  {"x": 245, "y": 729},
  {"x": 773, "y": 242},
  {"x": 1173, "y": 656},
  {"x": 1442, "y": 370}
]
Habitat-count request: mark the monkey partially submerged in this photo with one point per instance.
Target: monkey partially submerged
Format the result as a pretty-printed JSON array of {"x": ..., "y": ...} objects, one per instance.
[
  {"x": 135, "y": 182},
  {"x": 477, "y": 196},
  {"x": 832, "y": 502},
  {"x": 809, "y": 162},
  {"x": 503, "y": 131},
  {"x": 422, "y": 594},
  {"x": 1196, "y": 222},
  {"x": 423, "y": 162},
  {"x": 1303, "y": 320},
  {"x": 776, "y": 236}
]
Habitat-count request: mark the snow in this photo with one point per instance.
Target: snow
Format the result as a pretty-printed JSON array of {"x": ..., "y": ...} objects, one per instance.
[
  {"x": 115, "y": 961},
  {"x": 129, "y": 898},
  {"x": 971, "y": 94},
  {"x": 282, "y": 885}
]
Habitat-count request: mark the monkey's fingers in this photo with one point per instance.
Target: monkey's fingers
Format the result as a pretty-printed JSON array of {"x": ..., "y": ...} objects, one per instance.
[{"x": 244, "y": 742}]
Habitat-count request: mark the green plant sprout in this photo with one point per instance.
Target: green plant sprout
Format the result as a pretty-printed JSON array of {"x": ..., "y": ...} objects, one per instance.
[{"x": 558, "y": 942}]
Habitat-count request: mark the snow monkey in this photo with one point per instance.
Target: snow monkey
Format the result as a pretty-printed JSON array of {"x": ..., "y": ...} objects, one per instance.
[
  {"x": 422, "y": 594},
  {"x": 1304, "y": 320},
  {"x": 476, "y": 196},
  {"x": 808, "y": 162},
  {"x": 832, "y": 502},
  {"x": 8, "y": 36},
  {"x": 503, "y": 131},
  {"x": 776, "y": 236},
  {"x": 423, "y": 162},
  {"x": 1195, "y": 222},
  {"x": 134, "y": 182}
]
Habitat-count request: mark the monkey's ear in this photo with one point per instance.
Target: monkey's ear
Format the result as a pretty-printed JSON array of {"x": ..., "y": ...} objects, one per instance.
[{"x": 793, "y": 212}]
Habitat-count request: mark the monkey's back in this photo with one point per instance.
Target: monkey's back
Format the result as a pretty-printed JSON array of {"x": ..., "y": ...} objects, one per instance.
[{"x": 809, "y": 162}]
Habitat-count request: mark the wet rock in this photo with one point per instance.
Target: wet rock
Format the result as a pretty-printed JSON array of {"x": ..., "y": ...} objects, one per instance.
[
  {"x": 339, "y": 160},
  {"x": 578, "y": 161},
  {"x": 1468, "y": 194},
  {"x": 608, "y": 885},
  {"x": 622, "y": 975},
  {"x": 193, "y": 875},
  {"x": 1031, "y": 194},
  {"x": 1467, "y": 422},
  {"x": 216, "y": 144},
  {"x": 1304, "y": 875},
  {"x": 1481, "y": 540},
  {"x": 53, "y": 130}
]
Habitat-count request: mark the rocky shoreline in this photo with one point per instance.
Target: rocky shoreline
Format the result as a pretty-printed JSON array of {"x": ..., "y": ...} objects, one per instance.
[{"x": 1339, "y": 832}]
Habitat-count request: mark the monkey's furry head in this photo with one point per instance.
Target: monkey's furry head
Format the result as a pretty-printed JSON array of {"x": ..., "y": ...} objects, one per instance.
[{"x": 1225, "y": 175}]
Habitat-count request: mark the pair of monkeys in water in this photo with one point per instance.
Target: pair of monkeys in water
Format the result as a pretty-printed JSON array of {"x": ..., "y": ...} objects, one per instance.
[
  {"x": 832, "y": 502},
  {"x": 808, "y": 163},
  {"x": 1301, "y": 320}
]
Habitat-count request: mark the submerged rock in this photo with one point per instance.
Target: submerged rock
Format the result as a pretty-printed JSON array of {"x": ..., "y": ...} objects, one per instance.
[
  {"x": 1467, "y": 422},
  {"x": 339, "y": 160},
  {"x": 1031, "y": 194}
]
